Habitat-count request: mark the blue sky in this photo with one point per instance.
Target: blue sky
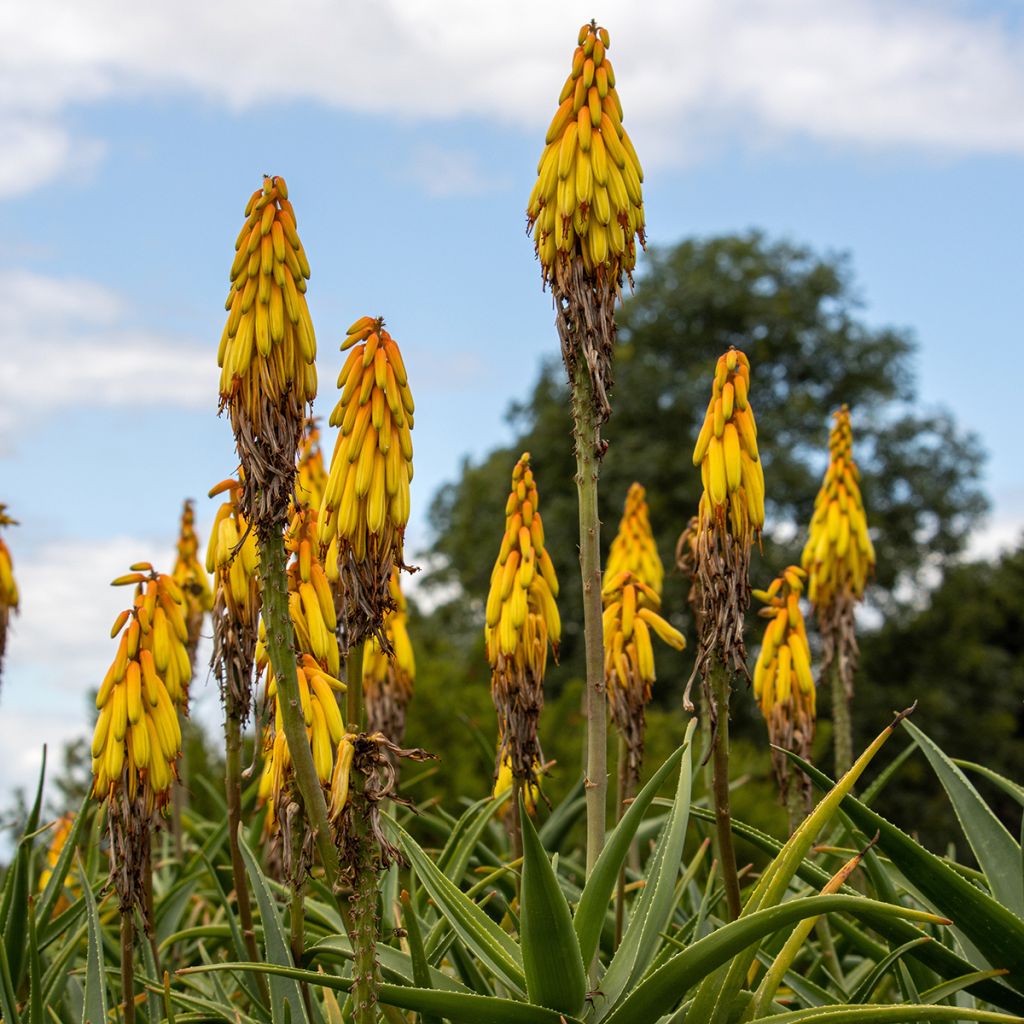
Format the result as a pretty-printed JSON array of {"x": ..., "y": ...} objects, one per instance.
[{"x": 130, "y": 140}]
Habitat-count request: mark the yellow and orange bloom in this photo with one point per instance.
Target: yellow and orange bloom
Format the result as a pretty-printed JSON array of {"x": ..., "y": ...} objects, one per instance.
[
  {"x": 522, "y": 621},
  {"x": 365, "y": 507},
  {"x": 267, "y": 351},
  {"x": 388, "y": 678},
  {"x": 233, "y": 556},
  {"x": 634, "y": 549},
  {"x": 191, "y": 578},
  {"x": 8, "y": 588},
  {"x": 587, "y": 203},
  {"x": 730, "y": 515},
  {"x": 504, "y": 782},
  {"x": 783, "y": 680},
  {"x": 137, "y": 740},
  {"x": 839, "y": 556}
]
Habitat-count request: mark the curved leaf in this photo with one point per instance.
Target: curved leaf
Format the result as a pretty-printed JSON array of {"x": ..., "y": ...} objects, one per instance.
[
  {"x": 886, "y": 1014},
  {"x": 593, "y": 904},
  {"x": 552, "y": 961},
  {"x": 656, "y": 994}
]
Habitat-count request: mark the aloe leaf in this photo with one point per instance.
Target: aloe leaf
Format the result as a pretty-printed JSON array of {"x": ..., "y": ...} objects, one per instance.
[
  {"x": 561, "y": 820},
  {"x": 593, "y": 904},
  {"x": 8, "y": 1002},
  {"x": 886, "y": 1014},
  {"x": 1011, "y": 789},
  {"x": 417, "y": 954},
  {"x": 861, "y": 993},
  {"x": 480, "y": 934},
  {"x": 996, "y": 933},
  {"x": 659, "y": 991},
  {"x": 954, "y": 985},
  {"x": 997, "y": 851},
  {"x": 457, "y": 1007},
  {"x": 454, "y": 858},
  {"x": 14, "y": 913},
  {"x": 286, "y": 1003},
  {"x": 552, "y": 961},
  {"x": 35, "y": 972},
  {"x": 94, "y": 1010}
]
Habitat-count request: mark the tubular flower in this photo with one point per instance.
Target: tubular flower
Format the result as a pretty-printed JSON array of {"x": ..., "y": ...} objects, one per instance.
[
  {"x": 783, "y": 682},
  {"x": 586, "y": 211},
  {"x": 192, "y": 580},
  {"x": 730, "y": 515},
  {"x": 8, "y": 588},
  {"x": 839, "y": 556},
  {"x": 630, "y": 616},
  {"x": 503, "y": 783},
  {"x": 310, "y": 474},
  {"x": 137, "y": 739},
  {"x": 388, "y": 679},
  {"x": 521, "y": 620},
  {"x": 267, "y": 351},
  {"x": 232, "y": 556},
  {"x": 633, "y": 549},
  {"x": 366, "y": 503}
]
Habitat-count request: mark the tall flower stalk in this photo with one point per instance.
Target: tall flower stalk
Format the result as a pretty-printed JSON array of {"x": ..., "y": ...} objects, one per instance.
[
  {"x": 232, "y": 557},
  {"x": 730, "y": 518},
  {"x": 586, "y": 214},
  {"x": 784, "y": 686},
  {"x": 521, "y": 623},
  {"x": 137, "y": 743},
  {"x": 268, "y": 379},
  {"x": 839, "y": 558},
  {"x": 361, "y": 528},
  {"x": 8, "y": 588}
]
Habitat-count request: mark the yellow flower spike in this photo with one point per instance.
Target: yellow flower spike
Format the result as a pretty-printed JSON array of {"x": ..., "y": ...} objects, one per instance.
[
  {"x": 630, "y": 617},
  {"x": 8, "y": 588},
  {"x": 730, "y": 518},
  {"x": 267, "y": 351},
  {"x": 191, "y": 579},
  {"x": 521, "y": 621},
  {"x": 232, "y": 556},
  {"x": 137, "y": 739},
  {"x": 839, "y": 556},
  {"x": 388, "y": 679},
  {"x": 587, "y": 204},
  {"x": 365, "y": 506},
  {"x": 310, "y": 474},
  {"x": 783, "y": 681},
  {"x": 634, "y": 549}
]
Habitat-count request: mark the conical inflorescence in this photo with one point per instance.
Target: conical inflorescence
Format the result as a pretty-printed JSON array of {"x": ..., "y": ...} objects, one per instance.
[
  {"x": 267, "y": 352},
  {"x": 839, "y": 557},
  {"x": 8, "y": 587},
  {"x": 783, "y": 681},
  {"x": 586, "y": 211},
  {"x": 365, "y": 506},
  {"x": 730, "y": 515},
  {"x": 522, "y": 621},
  {"x": 388, "y": 678},
  {"x": 192, "y": 580}
]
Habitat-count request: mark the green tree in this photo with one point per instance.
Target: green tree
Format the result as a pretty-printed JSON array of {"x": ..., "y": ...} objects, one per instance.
[
  {"x": 962, "y": 659},
  {"x": 795, "y": 312}
]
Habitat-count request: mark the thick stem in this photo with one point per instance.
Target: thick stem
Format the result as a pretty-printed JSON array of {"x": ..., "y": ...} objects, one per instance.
[
  {"x": 128, "y": 966},
  {"x": 842, "y": 729},
  {"x": 621, "y": 794},
  {"x": 796, "y": 804},
  {"x": 586, "y": 436},
  {"x": 363, "y": 900},
  {"x": 354, "y": 694},
  {"x": 720, "y": 690},
  {"x": 297, "y": 905},
  {"x": 233, "y": 789},
  {"x": 282, "y": 658}
]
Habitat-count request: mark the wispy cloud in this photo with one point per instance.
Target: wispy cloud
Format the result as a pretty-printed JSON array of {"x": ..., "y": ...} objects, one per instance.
[
  {"x": 68, "y": 342},
  {"x": 857, "y": 72},
  {"x": 442, "y": 172}
]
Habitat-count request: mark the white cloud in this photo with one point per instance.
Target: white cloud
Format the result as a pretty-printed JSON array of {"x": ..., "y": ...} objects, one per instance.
[
  {"x": 1003, "y": 531},
  {"x": 860, "y": 72},
  {"x": 443, "y": 173},
  {"x": 71, "y": 342}
]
